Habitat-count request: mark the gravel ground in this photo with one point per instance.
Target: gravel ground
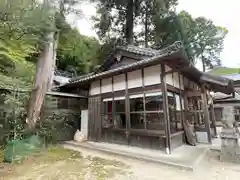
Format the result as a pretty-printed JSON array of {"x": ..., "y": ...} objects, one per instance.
[{"x": 58, "y": 163}]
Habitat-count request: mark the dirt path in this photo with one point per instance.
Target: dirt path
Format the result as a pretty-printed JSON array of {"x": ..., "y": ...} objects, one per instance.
[{"x": 58, "y": 163}]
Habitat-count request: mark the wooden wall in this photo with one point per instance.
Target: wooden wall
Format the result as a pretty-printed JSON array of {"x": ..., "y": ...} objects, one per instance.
[{"x": 94, "y": 118}]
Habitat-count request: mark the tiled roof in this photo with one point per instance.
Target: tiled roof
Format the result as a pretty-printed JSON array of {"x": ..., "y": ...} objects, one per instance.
[
  {"x": 159, "y": 54},
  {"x": 139, "y": 50},
  {"x": 147, "y": 52},
  {"x": 217, "y": 83},
  {"x": 80, "y": 77}
]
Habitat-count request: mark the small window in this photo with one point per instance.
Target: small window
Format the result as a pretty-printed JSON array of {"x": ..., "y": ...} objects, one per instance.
[
  {"x": 107, "y": 117},
  {"x": 119, "y": 118},
  {"x": 107, "y": 106},
  {"x": 119, "y": 104},
  {"x": 153, "y": 101},
  {"x": 136, "y": 103}
]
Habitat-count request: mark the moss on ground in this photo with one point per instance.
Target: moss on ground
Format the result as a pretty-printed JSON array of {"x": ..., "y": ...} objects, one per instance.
[{"x": 59, "y": 163}]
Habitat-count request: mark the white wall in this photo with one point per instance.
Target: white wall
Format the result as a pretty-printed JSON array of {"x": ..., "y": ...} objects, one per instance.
[
  {"x": 169, "y": 79},
  {"x": 134, "y": 79},
  {"x": 95, "y": 88},
  {"x": 176, "y": 80},
  {"x": 106, "y": 85},
  {"x": 119, "y": 82},
  {"x": 152, "y": 75},
  {"x": 181, "y": 82}
]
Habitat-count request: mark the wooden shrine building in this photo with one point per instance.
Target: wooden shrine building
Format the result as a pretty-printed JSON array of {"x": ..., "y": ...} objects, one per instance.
[{"x": 145, "y": 97}]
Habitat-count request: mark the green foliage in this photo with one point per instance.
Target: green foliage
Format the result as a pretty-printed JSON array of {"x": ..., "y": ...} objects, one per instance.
[
  {"x": 22, "y": 26},
  {"x": 76, "y": 53},
  {"x": 203, "y": 41},
  {"x": 111, "y": 17},
  {"x": 12, "y": 115},
  {"x": 55, "y": 124}
]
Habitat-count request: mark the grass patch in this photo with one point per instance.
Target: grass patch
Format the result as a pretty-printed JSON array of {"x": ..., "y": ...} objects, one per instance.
[
  {"x": 56, "y": 162},
  {"x": 57, "y": 153}
]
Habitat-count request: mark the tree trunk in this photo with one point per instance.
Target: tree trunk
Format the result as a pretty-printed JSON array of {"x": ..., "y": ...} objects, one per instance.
[
  {"x": 42, "y": 80},
  {"x": 146, "y": 28},
  {"x": 55, "y": 46},
  {"x": 129, "y": 22},
  {"x": 203, "y": 64},
  {"x": 44, "y": 75}
]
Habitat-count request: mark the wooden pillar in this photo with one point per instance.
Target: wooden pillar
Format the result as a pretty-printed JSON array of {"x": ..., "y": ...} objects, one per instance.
[
  {"x": 206, "y": 113},
  {"x": 213, "y": 118},
  {"x": 127, "y": 108},
  {"x": 181, "y": 98},
  {"x": 101, "y": 114},
  {"x": 144, "y": 100},
  {"x": 165, "y": 109}
]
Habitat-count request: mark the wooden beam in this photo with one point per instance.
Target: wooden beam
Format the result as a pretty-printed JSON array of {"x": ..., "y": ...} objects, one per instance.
[
  {"x": 206, "y": 113},
  {"x": 166, "y": 110}
]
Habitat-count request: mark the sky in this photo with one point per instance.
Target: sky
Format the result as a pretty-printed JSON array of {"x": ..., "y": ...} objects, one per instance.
[{"x": 221, "y": 12}]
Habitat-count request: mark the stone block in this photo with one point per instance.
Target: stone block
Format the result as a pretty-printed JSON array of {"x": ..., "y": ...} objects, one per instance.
[{"x": 230, "y": 151}]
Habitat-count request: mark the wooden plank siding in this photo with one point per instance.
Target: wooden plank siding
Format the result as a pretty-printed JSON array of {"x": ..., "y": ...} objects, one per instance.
[{"x": 94, "y": 118}]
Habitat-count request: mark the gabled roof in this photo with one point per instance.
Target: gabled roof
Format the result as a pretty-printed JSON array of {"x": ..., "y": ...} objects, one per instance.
[
  {"x": 174, "y": 56},
  {"x": 142, "y": 52},
  {"x": 164, "y": 53}
]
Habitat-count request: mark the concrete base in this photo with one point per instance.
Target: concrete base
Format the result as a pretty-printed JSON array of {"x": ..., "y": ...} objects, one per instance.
[{"x": 185, "y": 157}]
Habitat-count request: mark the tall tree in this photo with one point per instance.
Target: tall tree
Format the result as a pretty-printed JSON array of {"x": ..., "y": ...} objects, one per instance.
[
  {"x": 124, "y": 18},
  {"x": 129, "y": 21},
  {"x": 44, "y": 70},
  {"x": 203, "y": 41},
  {"x": 47, "y": 59},
  {"x": 209, "y": 42}
]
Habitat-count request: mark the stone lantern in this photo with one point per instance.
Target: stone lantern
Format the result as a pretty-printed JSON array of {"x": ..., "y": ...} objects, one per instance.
[{"x": 230, "y": 151}]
